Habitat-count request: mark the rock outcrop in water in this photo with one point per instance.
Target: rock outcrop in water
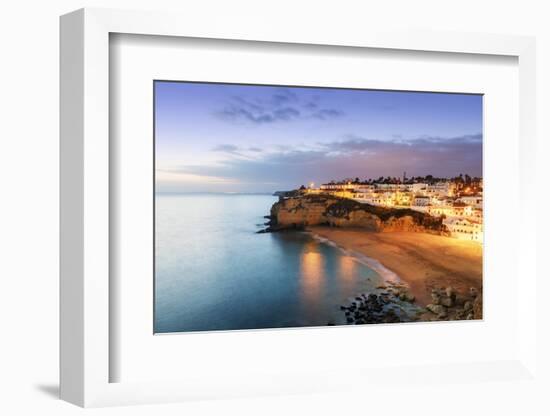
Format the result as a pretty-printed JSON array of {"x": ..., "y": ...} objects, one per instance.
[{"x": 298, "y": 212}]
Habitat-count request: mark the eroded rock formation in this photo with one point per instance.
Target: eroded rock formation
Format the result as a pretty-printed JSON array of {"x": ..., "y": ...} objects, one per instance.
[{"x": 299, "y": 212}]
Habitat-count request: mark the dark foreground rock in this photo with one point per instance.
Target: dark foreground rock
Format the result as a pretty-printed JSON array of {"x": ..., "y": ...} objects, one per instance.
[
  {"x": 391, "y": 303},
  {"x": 448, "y": 306},
  {"x": 388, "y": 305}
]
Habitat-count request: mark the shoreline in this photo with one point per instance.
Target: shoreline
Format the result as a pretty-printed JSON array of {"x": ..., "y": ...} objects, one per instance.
[
  {"x": 423, "y": 261},
  {"x": 388, "y": 276}
]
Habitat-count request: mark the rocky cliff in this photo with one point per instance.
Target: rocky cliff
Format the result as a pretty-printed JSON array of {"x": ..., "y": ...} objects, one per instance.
[{"x": 298, "y": 212}]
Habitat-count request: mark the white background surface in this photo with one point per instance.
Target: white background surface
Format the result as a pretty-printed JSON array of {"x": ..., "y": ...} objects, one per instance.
[{"x": 28, "y": 212}]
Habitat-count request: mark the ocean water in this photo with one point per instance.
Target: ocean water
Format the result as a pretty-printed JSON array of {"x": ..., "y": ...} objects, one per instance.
[{"x": 214, "y": 272}]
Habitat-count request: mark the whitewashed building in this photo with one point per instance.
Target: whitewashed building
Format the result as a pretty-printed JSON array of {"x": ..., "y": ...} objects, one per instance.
[
  {"x": 421, "y": 201},
  {"x": 416, "y": 187},
  {"x": 441, "y": 189},
  {"x": 456, "y": 210},
  {"x": 475, "y": 201},
  {"x": 464, "y": 229}
]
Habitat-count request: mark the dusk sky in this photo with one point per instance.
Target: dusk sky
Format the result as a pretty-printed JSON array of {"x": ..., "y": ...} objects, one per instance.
[{"x": 239, "y": 138}]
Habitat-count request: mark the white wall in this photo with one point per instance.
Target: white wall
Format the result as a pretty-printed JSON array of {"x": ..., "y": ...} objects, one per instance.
[{"x": 29, "y": 208}]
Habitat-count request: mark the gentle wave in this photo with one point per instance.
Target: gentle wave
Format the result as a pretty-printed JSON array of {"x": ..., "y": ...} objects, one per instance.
[{"x": 385, "y": 273}]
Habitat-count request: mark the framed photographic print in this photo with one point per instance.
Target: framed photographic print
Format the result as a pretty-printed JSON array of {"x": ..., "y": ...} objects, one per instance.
[{"x": 288, "y": 197}]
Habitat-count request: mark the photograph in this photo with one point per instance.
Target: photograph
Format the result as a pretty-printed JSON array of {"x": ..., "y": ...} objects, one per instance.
[{"x": 282, "y": 206}]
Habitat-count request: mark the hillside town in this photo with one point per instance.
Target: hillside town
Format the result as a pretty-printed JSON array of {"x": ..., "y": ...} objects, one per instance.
[{"x": 458, "y": 200}]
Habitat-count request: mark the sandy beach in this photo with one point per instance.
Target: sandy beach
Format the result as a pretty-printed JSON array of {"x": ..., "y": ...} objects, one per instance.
[{"x": 423, "y": 261}]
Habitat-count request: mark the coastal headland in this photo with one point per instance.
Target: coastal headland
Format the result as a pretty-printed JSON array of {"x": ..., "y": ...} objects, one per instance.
[{"x": 443, "y": 274}]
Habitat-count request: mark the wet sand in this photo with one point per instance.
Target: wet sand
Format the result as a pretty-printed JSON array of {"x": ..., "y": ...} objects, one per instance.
[{"x": 423, "y": 261}]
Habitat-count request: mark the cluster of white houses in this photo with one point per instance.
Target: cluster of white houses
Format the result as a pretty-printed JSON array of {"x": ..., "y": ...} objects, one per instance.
[{"x": 462, "y": 214}]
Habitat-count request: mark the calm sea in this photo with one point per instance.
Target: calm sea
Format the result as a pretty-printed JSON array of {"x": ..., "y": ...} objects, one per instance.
[{"x": 214, "y": 272}]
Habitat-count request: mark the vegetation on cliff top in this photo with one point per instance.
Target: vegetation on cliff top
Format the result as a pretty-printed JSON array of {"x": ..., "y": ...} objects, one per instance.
[{"x": 343, "y": 207}]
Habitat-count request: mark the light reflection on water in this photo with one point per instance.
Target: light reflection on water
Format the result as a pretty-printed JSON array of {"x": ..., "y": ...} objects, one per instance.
[
  {"x": 213, "y": 272},
  {"x": 347, "y": 271},
  {"x": 313, "y": 279}
]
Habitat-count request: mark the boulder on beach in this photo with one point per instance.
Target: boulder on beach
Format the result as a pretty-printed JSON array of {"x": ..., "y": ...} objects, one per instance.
[
  {"x": 478, "y": 307},
  {"x": 438, "y": 310},
  {"x": 447, "y": 301},
  {"x": 406, "y": 296}
]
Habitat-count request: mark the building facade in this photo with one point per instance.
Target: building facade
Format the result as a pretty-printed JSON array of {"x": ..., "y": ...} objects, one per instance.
[{"x": 464, "y": 229}]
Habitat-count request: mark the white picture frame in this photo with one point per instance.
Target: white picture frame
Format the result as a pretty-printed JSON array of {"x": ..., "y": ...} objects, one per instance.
[{"x": 85, "y": 203}]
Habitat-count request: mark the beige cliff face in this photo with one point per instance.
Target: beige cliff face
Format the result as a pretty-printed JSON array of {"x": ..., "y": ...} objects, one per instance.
[
  {"x": 405, "y": 223},
  {"x": 300, "y": 212},
  {"x": 357, "y": 218},
  {"x": 303, "y": 211}
]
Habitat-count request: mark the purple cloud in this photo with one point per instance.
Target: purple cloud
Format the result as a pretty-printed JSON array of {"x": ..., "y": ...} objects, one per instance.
[
  {"x": 353, "y": 156},
  {"x": 225, "y": 148},
  {"x": 283, "y": 106}
]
